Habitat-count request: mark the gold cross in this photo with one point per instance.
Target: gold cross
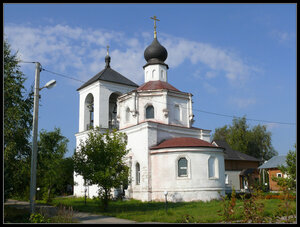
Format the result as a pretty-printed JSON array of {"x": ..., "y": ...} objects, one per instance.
[
  {"x": 107, "y": 47},
  {"x": 155, "y": 19}
]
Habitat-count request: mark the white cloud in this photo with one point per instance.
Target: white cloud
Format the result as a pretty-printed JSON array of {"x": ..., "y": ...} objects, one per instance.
[
  {"x": 216, "y": 59},
  {"x": 210, "y": 74},
  {"x": 63, "y": 48},
  {"x": 209, "y": 88},
  {"x": 281, "y": 36},
  {"x": 242, "y": 102},
  {"x": 270, "y": 126}
]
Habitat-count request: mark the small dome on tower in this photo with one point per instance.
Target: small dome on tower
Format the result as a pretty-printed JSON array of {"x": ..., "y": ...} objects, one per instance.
[
  {"x": 107, "y": 60},
  {"x": 155, "y": 51}
]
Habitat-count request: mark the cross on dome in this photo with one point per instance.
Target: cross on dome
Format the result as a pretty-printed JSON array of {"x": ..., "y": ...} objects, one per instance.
[
  {"x": 107, "y": 50},
  {"x": 155, "y": 19}
]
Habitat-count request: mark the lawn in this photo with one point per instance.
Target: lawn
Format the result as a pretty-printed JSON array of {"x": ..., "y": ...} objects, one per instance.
[{"x": 200, "y": 212}]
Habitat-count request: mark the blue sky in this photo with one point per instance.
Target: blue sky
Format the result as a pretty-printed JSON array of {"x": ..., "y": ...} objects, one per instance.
[{"x": 236, "y": 59}]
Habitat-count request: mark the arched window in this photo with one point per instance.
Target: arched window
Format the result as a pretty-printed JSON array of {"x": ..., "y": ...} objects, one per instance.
[
  {"x": 162, "y": 74},
  {"x": 137, "y": 173},
  {"x": 89, "y": 111},
  {"x": 182, "y": 167},
  {"x": 177, "y": 113},
  {"x": 149, "y": 112},
  {"x": 127, "y": 114},
  {"x": 153, "y": 73},
  {"x": 213, "y": 167},
  {"x": 112, "y": 111}
]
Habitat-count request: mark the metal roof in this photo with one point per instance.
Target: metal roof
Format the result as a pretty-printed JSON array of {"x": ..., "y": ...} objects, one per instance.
[
  {"x": 230, "y": 154},
  {"x": 110, "y": 75},
  {"x": 274, "y": 162},
  {"x": 156, "y": 84},
  {"x": 183, "y": 142}
]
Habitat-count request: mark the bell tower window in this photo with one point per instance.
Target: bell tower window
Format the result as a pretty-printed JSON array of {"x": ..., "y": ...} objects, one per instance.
[
  {"x": 89, "y": 111},
  {"x": 112, "y": 121}
]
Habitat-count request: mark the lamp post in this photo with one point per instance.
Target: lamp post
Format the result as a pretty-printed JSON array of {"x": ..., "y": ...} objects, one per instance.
[
  {"x": 166, "y": 194},
  {"x": 37, "y": 88}
]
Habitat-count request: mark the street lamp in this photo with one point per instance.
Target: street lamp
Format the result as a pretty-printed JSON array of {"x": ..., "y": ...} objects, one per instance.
[
  {"x": 166, "y": 194},
  {"x": 37, "y": 88}
]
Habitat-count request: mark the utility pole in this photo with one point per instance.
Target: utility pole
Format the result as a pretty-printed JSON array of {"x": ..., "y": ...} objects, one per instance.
[{"x": 34, "y": 137}]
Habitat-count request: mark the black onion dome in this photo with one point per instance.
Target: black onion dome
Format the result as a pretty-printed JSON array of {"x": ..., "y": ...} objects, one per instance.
[{"x": 155, "y": 52}]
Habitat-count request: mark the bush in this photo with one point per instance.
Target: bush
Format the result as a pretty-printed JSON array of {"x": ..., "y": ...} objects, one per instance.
[
  {"x": 38, "y": 218},
  {"x": 64, "y": 215}
]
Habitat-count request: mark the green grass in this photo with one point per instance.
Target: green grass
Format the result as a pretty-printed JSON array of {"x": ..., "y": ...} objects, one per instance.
[{"x": 200, "y": 212}]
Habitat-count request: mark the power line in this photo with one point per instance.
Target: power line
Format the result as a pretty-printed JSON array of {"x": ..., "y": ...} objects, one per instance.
[
  {"x": 194, "y": 109},
  {"x": 27, "y": 61},
  {"x": 231, "y": 116},
  {"x": 63, "y": 75}
]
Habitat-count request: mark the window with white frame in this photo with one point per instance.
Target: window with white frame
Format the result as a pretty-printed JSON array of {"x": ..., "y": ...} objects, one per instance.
[
  {"x": 226, "y": 179},
  {"x": 177, "y": 112},
  {"x": 182, "y": 167},
  {"x": 279, "y": 174},
  {"x": 213, "y": 167}
]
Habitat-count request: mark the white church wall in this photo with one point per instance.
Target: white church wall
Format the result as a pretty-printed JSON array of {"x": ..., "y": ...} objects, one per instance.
[
  {"x": 138, "y": 145},
  {"x": 169, "y": 131},
  {"x": 155, "y": 72},
  {"x": 178, "y": 104},
  {"x": 157, "y": 101},
  {"x": 83, "y": 93},
  {"x": 196, "y": 186},
  {"x": 106, "y": 89},
  {"x": 127, "y": 119}
]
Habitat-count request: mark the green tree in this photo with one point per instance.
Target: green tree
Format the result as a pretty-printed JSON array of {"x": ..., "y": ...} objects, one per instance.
[
  {"x": 52, "y": 146},
  {"x": 65, "y": 178},
  {"x": 99, "y": 160},
  {"x": 17, "y": 126},
  {"x": 289, "y": 170},
  {"x": 287, "y": 184},
  {"x": 255, "y": 141}
]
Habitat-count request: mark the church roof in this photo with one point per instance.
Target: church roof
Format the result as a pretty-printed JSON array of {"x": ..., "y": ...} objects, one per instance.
[
  {"x": 110, "y": 75},
  {"x": 230, "y": 154},
  {"x": 157, "y": 85},
  {"x": 183, "y": 142}
]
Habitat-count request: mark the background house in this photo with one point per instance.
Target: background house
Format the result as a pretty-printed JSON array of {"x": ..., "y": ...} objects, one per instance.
[
  {"x": 271, "y": 167},
  {"x": 241, "y": 170}
]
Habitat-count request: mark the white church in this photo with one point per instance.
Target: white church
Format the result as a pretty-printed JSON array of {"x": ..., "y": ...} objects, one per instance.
[{"x": 167, "y": 154}]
